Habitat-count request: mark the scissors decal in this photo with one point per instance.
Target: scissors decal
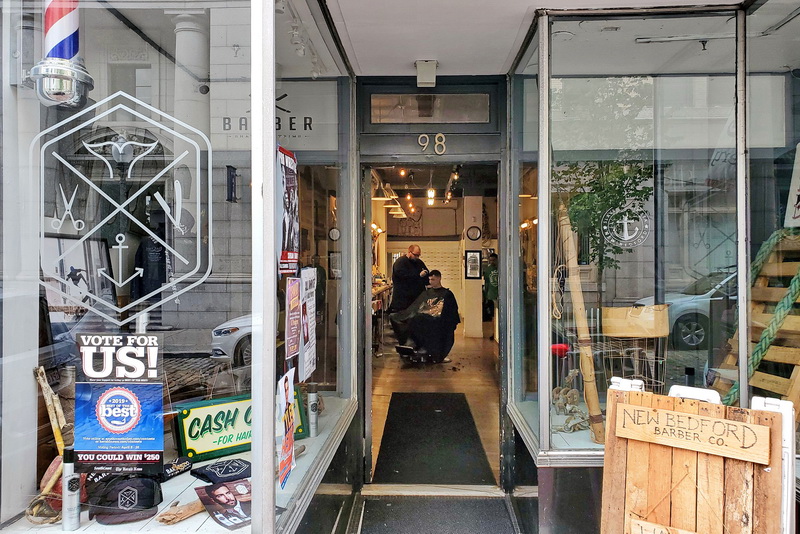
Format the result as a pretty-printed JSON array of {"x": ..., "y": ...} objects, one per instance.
[{"x": 58, "y": 223}]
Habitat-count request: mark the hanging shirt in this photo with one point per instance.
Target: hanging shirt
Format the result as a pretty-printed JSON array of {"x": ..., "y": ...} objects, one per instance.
[{"x": 491, "y": 282}]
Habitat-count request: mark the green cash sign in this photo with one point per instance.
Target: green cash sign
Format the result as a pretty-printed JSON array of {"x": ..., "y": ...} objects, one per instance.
[{"x": 219, "y": 427}]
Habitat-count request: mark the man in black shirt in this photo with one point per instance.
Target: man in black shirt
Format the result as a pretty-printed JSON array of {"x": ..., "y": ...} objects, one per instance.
[{"x": 409, "y": 278}]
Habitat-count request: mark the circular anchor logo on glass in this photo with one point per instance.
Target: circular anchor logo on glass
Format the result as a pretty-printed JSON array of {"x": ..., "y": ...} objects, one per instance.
[
  {"x": 626, "y": 227},
  {"x": 118, "y": 410}
]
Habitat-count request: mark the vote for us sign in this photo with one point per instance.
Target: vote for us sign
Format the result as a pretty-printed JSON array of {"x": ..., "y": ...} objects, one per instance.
[{"x": 119, "y": 424}]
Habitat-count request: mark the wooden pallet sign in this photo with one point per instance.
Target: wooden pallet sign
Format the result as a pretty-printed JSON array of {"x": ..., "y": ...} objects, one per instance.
[
  {"x": 779, "y": 371},
  {"x": 681, "y": 466}
]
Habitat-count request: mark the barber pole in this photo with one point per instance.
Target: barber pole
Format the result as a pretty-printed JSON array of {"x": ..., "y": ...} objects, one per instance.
[
  {"x": 61, "y": 78},
  {"x": 61, "y": 23}
]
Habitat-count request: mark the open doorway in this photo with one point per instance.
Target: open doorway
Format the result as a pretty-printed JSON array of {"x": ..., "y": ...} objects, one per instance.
[{"x": 435, "y": 423}]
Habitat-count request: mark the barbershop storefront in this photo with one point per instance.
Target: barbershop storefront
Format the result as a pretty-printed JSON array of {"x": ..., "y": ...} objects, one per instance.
[{"x": 187, "y": 262}]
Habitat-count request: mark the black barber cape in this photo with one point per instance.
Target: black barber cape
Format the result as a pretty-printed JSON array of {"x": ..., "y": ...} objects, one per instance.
[
  {"x": 430, "y": 321},
  {"x": 407, "y": 284}
]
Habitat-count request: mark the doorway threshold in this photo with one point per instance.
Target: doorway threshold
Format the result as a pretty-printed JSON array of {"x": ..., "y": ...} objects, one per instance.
[{"x": 431, "y": 490}]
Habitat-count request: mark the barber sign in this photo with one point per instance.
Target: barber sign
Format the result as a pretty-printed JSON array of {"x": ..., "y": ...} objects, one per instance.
[{"x": 119, "y": 404}]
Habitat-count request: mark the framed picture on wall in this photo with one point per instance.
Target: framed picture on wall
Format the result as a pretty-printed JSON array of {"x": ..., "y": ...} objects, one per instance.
[
  {"x": 334, "y": 265},
  {"x": 472, "y": 265},
  {"x": 77, "y": 274}
]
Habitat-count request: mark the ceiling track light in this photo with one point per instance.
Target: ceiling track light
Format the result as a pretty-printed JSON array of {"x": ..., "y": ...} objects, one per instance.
[
  {"x": 280, "y": 7},
  {"x": 316, "y": 72},
  {"x": 296, "y": 38},
  {"x": 390, "y": 191},
  {"x": 681, "y": 38},
  {"x": 380, "y": 191}
]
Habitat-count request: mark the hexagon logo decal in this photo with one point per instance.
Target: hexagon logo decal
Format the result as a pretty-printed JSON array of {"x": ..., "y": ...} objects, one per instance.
[{"x": 125, "y": 209}]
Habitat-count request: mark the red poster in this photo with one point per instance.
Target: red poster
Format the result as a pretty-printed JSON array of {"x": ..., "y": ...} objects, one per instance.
[{"x": 285, "y": 407}]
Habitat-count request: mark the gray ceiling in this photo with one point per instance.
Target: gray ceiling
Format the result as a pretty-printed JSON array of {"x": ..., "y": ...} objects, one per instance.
[{"x": 475, "y": 37}]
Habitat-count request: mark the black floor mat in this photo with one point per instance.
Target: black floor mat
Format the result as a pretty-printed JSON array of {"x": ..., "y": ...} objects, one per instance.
[
  {"x": 431, "y": 438},
  {"x": 439, "y": 515}
]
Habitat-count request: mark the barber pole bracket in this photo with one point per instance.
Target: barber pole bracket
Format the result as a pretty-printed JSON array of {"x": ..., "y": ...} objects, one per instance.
[{"x": 61, "y": 79}]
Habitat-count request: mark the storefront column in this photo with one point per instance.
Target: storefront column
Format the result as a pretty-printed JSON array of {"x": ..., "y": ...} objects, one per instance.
[
  {"x": 192, "y": 107},
  {"x": 192, "y": 90},
  {"x": 569, "y": 499},
  {"x": 20, "y": 313}
]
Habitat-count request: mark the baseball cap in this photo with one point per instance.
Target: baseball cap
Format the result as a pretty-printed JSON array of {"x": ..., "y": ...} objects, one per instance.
[
  {"x": 223, "y": 471},
  {"x": 117, "y": 499}
]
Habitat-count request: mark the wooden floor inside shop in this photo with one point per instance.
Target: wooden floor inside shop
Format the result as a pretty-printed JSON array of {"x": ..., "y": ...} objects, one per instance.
[{"x": 473, "y": 371}]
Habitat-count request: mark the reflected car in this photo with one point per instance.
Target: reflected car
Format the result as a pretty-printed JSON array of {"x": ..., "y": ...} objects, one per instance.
[
  {"x": 690, "y": 308},
  {"x": 232, "y": 341}
]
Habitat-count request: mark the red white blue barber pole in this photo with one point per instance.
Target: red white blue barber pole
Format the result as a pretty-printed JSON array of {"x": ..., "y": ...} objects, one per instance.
[{"x": 61, "y": 78}]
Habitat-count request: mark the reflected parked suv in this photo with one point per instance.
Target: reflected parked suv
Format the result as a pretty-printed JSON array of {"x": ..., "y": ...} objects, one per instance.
[{"x": 690, "y": 308}]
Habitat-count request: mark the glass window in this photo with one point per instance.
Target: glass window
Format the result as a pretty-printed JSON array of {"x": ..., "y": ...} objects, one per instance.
[
  {"x": 774, "y": 171},
  {"x": 129, "y": 220},
  {"x": 429, "y": 108},
  {"x": 127, "y": 249},
  {"x": 643, "y": 190},
  {"x": 316, "y": 233},
  {"x": 525, "y": 366}
]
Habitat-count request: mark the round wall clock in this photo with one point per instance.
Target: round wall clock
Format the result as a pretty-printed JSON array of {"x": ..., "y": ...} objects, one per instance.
[
  {"x": 474, "y": 233},
  {"x": 334, "y": 234}
]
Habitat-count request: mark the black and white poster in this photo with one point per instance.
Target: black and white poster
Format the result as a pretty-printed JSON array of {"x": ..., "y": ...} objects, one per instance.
[{"x": 290, "y": 220}]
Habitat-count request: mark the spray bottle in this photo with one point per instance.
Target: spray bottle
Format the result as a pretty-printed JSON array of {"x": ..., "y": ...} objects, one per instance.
[
  {"x": 70, "y": 492},
  {"x": 313, "y": 409}
]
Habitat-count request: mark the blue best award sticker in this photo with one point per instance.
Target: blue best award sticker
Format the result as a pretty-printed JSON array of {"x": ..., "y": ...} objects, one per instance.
[{"x": 118, "y": 410}]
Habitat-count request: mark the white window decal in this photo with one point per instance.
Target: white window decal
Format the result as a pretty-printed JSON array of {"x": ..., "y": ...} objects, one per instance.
[{"x": 169, "y": 173}]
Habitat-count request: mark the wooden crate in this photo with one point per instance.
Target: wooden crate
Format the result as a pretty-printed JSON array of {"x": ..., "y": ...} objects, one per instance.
[
  {"x": 783, "y": 378},
  {"x": 657, "y": 488}
]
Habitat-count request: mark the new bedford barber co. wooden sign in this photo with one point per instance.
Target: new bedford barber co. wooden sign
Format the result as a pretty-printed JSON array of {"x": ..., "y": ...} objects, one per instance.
[
  {"x": 731, "y": 439},
  {"x": 681, "y": 466}
]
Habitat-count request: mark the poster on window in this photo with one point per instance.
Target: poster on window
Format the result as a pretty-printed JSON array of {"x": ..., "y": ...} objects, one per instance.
[
  {"x": 308, "y": 321},
  {"x": 290, "y": 212},
  {"x": 293, "y": 317},
  {"x": 228, "y": 503},
  {"x": 792, "y": 219},
  {"x": 286, "y": 396},
  {"x": 119, "y": 417}
]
